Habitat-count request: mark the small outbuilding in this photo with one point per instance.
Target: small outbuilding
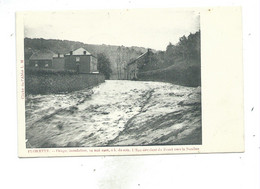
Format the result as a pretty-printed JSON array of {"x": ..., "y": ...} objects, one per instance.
[
  {"x": 42, "y": 59},
  {"x": 58, "y": 62}
]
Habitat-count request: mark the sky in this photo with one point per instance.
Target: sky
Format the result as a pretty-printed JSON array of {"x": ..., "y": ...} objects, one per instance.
[{"x": 149, "y": 28}]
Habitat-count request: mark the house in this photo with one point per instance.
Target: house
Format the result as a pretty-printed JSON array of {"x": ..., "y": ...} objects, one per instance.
[
  {"x": 134, "y": 66},
  {"x": 81, "y": 61},
  {"x": 42, "y": 59}
]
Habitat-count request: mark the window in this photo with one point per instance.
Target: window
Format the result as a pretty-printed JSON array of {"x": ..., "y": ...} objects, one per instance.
[{"x": 77, "y": 59}]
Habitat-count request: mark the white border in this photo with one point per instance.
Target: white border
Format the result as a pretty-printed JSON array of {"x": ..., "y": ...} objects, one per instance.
[{"x": 222, "y": 92}]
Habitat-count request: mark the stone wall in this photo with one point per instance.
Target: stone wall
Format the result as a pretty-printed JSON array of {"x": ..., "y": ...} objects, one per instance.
[{"x": 60, "y": 82}]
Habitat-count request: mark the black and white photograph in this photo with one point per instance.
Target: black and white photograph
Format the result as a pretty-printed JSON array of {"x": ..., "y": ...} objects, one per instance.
[{"x": 112, "y": 78}]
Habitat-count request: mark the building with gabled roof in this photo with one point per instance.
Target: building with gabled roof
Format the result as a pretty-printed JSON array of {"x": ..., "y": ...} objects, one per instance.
[
  {"x": 42, "y": 59},
  {"x": 81, "y": 61},
  {"x": 133, "y": 67}
]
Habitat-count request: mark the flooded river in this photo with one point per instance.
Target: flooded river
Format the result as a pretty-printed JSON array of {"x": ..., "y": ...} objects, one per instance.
[{"x": 115, "y": 113}]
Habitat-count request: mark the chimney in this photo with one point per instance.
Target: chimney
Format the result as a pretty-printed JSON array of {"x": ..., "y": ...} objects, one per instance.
[
  {"x": 58, "y": 55},
  {"x": 71, "y": 52},
  {"x": 85, "y": 52}
]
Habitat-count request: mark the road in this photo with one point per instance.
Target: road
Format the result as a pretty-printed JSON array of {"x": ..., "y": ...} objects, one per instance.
[{"x": 115, "y": 113}]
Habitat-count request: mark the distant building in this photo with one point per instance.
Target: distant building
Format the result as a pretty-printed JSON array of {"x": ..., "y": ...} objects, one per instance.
[
  {"x": 79, "y": 60},
  {"x": 42, "y": 59},
  {"x": 133, "y": 67}
]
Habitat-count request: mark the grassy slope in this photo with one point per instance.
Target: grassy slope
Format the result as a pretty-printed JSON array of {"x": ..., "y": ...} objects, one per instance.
[{"x": 182, "y": 73}]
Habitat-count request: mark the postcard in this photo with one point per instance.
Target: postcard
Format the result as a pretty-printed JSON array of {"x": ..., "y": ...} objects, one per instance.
[{"x": 129, "y": 82}]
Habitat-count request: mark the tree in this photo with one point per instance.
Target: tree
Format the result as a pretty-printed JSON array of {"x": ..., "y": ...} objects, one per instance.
[
  {"x": 104, "y": 65},
  {"x": 169, "y": 54},
  {"x": 183, "y": 47},
  {"x": 119, "y": 62}
]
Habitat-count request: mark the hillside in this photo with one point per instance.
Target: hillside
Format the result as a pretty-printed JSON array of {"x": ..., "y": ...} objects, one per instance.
[
  {"x": 179, "y": 64},
  {"x": 181, "y": 73},
  {"x": 118, "y": 55}
]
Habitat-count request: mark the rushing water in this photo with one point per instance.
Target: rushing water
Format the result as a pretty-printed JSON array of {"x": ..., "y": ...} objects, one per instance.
[{"x": 115, "y": 113}]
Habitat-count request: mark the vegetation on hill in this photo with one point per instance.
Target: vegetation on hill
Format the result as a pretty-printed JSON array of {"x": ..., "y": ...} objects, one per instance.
[{"x": 179, "y": 64}]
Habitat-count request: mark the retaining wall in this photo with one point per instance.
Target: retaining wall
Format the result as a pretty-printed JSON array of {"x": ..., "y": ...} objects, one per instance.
[{"x": 47, "y": 83}]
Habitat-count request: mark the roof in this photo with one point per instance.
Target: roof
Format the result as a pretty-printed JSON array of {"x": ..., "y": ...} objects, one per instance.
[
  {"x": 80, "y": 51},
  {"x": 42, "y": 55},
  {"x": 137, "y": 58},
  {"x": 57, "y": 56}
]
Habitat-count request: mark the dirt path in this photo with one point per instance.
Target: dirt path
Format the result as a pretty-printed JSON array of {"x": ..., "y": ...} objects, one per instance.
[{"x": 115, "y": 113}]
